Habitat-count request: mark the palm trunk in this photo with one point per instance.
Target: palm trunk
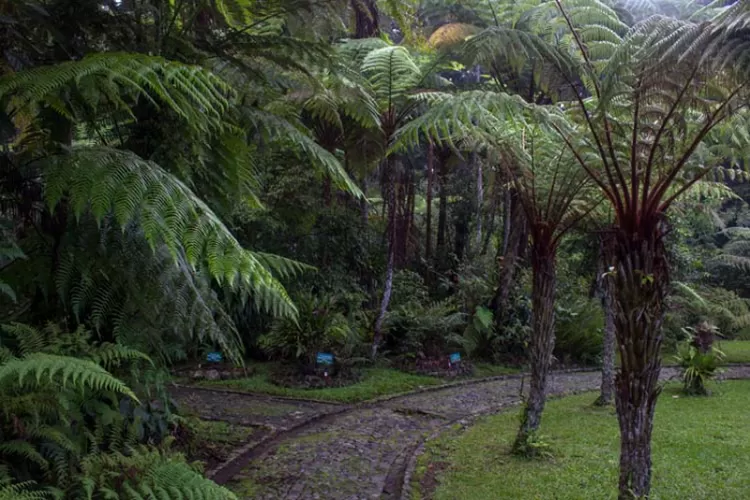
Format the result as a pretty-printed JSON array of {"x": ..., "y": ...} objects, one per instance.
[
  {"x": 542, "y": 336},
  {"x": 641, "y": 283},
  {"x": 605, "y": 290}
]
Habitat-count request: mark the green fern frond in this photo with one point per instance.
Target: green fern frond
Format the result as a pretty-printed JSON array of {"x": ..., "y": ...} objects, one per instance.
[
  {"x": 23, "y": 491},
  {"x": 25, "y": 450},
  {"x": 158, "y": 475},
  {"x": 64, "y": 370},
  {"x": 277, "y": 130},
  {"x": 392, "y": 72},
  {"x": 119, "y": 182},
  {"x": 195, "y": 94}
]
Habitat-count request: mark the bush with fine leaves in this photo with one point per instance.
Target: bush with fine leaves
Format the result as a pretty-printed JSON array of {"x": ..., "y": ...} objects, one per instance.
[{"x": 320, "y": 326}]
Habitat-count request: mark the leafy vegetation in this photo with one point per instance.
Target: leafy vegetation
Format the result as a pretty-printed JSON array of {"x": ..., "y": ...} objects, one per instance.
[{"x": 386, "y": 182}]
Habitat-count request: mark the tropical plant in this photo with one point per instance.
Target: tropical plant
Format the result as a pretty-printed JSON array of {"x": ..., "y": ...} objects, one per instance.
[
  {"x": 699, "y": 359},
  {"x": 620, "y": 91},
  {"x": 320, "y": 327}
]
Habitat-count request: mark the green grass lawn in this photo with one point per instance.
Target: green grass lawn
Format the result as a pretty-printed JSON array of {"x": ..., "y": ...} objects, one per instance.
[
  {"x": 375, "y": 382},
  {"x": 737, "y": 351},
  {"x": 700, "y": 451}
]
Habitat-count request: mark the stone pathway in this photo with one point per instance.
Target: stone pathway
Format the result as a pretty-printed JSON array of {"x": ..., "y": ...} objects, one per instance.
[{"x": 358, "y": 452}]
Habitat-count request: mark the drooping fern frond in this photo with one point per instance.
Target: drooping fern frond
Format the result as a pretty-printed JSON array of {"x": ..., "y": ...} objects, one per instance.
[
  {"x": 38, "y": 368},
  {"x": 283, "y": 133},
  {"x": 105, "y": 180},
  {"x": 195, "y": 94}
]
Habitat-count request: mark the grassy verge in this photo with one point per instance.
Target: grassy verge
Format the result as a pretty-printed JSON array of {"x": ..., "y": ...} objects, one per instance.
[
  {"x": 375, "y": 382},
  {"x": 212, "y": 442},
  {"x": 737, "y": 351},
  {"x": 700, "y": 451},
  {"x": 490, "y": 370}
]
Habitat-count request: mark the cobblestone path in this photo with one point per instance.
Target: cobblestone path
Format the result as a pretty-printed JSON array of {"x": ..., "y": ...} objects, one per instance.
[{"x": 357, "y": 452}]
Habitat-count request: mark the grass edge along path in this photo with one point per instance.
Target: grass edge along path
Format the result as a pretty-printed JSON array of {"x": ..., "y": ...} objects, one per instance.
[
  {"x": 375, "y": 382},
  {"x": 700, "y": 451}
]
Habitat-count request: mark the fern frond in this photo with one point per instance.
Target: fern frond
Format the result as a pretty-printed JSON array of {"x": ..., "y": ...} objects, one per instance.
[
  {"x": 64, "y": 370},
  {"x": 23, "y": 491},
  {"x": 195, "y": 94},
  {"x": 119, "y": 182}
]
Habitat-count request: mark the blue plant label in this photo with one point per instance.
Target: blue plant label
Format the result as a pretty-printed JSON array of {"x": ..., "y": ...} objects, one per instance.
[
  {"x": 324, "y": 358},
  {"x": 214, "y": 357},
  {"x": 455, "y": 357}
]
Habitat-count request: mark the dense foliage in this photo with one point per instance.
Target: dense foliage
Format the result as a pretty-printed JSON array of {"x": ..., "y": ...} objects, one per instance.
[{"x": 283, "y": 178}]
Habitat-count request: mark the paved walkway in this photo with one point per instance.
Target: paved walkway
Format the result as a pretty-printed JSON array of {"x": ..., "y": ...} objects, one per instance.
[{"x": 326, "y": 451}]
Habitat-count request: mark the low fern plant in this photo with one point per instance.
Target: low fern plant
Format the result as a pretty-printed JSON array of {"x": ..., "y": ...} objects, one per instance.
[
  {"x": 699, "y": 359},
  {"x": 61, "y": 424}
]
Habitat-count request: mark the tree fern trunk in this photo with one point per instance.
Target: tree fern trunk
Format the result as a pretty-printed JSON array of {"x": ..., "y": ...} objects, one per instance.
[
  {"x": 641, "y": 283},
  {"x": 542, "y": 335}
]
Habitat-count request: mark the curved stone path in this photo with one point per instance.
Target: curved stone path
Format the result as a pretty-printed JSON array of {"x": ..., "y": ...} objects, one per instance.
[{"x": 315, "y": 450}]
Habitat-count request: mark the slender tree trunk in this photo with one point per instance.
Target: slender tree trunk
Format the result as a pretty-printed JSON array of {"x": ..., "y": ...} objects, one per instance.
[
  {"x": 442, "y": 213},
  {"x": 542, "y": 334},
  {"x": 513, "y": 247},
  {"x": 507, "y": 218},
  {"x": 390, "y": 202},
  {"x": 387, "y": 291},
  {"x": 493, "y": 214},
  {"x": 641, "y": 284},
  {"x": 480, "y": 201},
  {"x": 605, "y": 289},
  {"x": 428, "y": 224}
]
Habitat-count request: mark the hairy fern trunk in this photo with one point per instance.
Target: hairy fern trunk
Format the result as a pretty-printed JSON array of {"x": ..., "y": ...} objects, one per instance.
[
  {"x": 641, "y": 284},
  {"x": 542, "y": 335}
]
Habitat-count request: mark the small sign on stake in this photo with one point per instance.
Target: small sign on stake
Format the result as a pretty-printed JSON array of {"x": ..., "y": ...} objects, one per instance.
[
  {"x": 214, "y": 357},
  {"x": 324, "y": 358},
  {"x": 455, "y": 358}
]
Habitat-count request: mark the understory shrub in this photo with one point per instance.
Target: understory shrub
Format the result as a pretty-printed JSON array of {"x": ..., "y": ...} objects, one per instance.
[
  {"x": 699, "y": 359},
  {"x": 321, "y": 326},
  {"x": 579, "y": 332},
  {"x": 65, "y": 423}
]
